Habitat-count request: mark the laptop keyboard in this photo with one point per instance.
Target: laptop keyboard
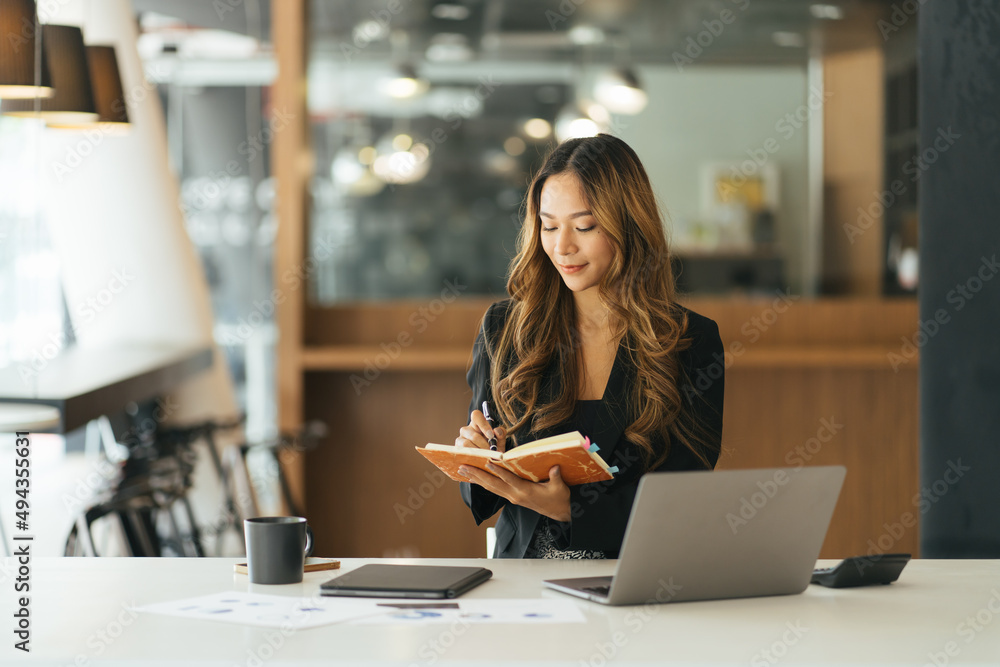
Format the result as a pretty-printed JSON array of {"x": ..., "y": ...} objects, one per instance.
[{"x": 599, "y": 590}]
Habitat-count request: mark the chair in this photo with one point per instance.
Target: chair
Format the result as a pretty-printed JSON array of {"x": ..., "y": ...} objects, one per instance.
[
  {"x": 30, "y": 418},
  {"x": 155, "y": 476}
]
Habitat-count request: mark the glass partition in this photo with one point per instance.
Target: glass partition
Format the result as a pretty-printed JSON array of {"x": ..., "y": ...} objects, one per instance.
[{"x": 428, "y": 120}]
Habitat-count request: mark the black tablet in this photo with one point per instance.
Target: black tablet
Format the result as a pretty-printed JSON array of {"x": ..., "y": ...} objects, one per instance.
[{"x": 406, "y": 581}]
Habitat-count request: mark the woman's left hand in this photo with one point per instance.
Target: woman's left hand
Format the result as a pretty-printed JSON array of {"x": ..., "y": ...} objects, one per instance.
[{"x": 549, "y": 498}]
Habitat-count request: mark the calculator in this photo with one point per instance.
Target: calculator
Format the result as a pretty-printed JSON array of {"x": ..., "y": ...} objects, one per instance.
[{"x": 862, "y": 571}]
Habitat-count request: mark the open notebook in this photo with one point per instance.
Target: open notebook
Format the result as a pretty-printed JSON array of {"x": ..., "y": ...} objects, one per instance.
[{"x": 576, "y": 457}]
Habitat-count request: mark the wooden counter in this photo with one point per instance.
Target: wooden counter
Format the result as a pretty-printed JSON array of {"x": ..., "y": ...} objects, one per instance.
[{"x": 85, "y": 383}]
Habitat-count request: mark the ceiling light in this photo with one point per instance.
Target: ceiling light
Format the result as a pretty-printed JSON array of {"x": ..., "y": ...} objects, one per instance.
[
  {"x": 537, "y": 128},
  {"x": 421, "y": 151},
  {"x": 370, "y": 31},
  {"x": 572, "y": 123},
  {"x": 620, "y": 91},
  {"x": 346, "y": 169},
  {"x": 448, "y": 47},
  {"x": 788, "y": 39},
  {"x": 514, "y": 146},
  {"x": 399, "y": 165},
  {"x": 597, "y": 112},
  {"x": 500, "y": 163},
  {"x": 830, "y": 12},
  {"x": 73, "y": 101},
  {"x": 405, "y": 83},
  {"x": 351, "y": 173},
  {"x": 367, "y": 155},
  {"x": 450, "y": 12},
  {"x": 576, "y": 127},
  {"x": 18, "y": 23},
  {"x": 402, "y": 142},
  {"x": 369, "y": 184},
  {"x": 584, "y": 35}
]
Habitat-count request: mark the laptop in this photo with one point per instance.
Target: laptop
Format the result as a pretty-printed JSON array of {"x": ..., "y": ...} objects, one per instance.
[{"x": 712, "y": 535}]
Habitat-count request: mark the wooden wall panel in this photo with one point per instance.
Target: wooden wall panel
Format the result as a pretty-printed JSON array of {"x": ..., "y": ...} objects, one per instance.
[
  {"x": 430, "y": 322},
  {"x": 865, "y": 420},
  {"x": 853, "y": 158},
  {"x": 794, "y": 322},
  {"x": 370, "y": 494},
  {"x": 780, "y": 320}
]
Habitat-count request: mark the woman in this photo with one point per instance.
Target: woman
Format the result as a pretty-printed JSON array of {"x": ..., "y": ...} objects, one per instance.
[{"x": 593, "y": 340}]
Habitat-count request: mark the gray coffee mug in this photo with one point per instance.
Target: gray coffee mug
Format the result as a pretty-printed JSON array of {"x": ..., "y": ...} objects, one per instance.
[{"x": 276, "y": 548}]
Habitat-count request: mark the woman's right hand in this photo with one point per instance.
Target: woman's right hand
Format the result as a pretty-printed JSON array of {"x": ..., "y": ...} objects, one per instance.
[{"x": 478, "y": 432}]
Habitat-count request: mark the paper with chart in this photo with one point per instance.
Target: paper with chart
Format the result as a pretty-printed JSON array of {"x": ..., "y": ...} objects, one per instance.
[
  {"x": 478, "y": 611},
  {"x": 300, "y": 613},
  {"x": 266, "y": 610}
]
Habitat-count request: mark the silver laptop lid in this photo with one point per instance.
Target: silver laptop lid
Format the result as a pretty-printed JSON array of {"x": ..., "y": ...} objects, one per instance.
[{"x": 725, "y": 534}]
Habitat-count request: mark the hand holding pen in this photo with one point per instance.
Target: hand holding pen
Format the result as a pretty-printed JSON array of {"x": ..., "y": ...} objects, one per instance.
[
  {"x": 481, "y": 433},
  {"x": 491, "y": 436}
]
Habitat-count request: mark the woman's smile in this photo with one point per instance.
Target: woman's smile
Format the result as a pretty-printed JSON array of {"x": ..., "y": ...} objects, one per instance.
[{"x": 572, "y": 269}]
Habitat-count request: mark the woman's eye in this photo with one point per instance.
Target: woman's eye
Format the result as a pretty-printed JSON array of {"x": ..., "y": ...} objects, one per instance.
[{"x": 579, "y": 229}]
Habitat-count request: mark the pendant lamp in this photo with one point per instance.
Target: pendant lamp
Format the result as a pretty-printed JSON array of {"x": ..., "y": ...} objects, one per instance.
[
  {"x": 18, "y": 24},
  {"x": 109, "y": 96},
  {"x": 73, "y": 101},
  {"x": 106, "y": 80},
  {"x": 621, "y": 92}
]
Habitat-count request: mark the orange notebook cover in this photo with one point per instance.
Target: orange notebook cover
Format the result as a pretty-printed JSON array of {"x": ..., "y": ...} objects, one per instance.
[{"x": 577, "y": 459}]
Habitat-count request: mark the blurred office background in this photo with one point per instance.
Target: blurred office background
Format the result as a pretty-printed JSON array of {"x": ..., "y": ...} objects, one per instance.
[{"x": 346, "y": 168}]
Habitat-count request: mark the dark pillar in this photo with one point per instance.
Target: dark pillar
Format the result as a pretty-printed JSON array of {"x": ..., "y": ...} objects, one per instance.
[{"x": 959, "y": 290}]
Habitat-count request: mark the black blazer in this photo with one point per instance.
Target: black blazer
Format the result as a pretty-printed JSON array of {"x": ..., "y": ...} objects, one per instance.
[{"x": 600, "y": 510}]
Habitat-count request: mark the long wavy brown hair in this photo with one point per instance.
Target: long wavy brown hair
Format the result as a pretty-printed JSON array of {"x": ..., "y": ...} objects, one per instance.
[{"x": 638, "y": 290}]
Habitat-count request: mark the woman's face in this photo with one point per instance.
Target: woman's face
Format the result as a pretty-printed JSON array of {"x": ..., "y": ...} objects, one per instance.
[{"x": 571, "y": 237}]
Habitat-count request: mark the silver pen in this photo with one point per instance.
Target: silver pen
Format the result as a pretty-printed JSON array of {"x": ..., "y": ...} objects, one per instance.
[{"x": 493, "y": 440}]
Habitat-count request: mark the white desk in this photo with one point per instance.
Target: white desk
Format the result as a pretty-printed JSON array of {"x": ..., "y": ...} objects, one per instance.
[{"x": 77, "y": 604}]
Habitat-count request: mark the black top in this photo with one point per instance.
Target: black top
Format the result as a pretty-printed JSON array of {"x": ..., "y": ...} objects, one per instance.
[
  {"x": 545, "y": 543},
  {"x": 600, "y": 510}
]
